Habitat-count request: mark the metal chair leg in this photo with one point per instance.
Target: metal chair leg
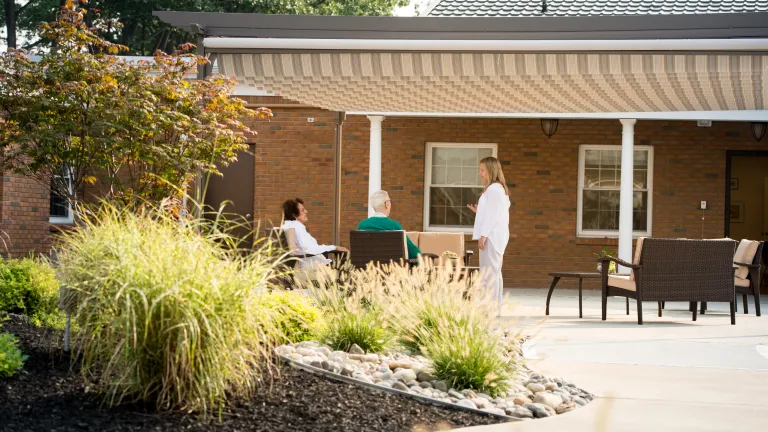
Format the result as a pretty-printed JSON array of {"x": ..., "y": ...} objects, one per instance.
[
  {"x": 660, "y": 307},
  {"x": 639, "y": 312},
  {"x": 703, "y": 307},
  {"x": 733, "y": 312},
  {"x": 549, "y": 294},
  {"x": 627, "y": 305},
  {"x": 694, "y": 310},
  {"x": 746, "y": 304}
]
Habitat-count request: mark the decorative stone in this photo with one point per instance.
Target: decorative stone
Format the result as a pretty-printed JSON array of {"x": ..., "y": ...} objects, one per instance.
[
  {"x": 425, "y": 376},
  {"x": 579, "y": 401},
  {"x": 519, "y": 412},
  {"x": 347, "y": 370},
  {"x": 403, "y": 364},
  {"x": 386, "y": 384},
  {"x": 495, "y": 411},
  {"x": 324, "y": 351},
  {"x": 405, "y": 375},
  {"x": 565, "y": 408},
  {"x": 425, "y": 385},
  {"x": 355, "y": 349},
  {"x": 481, "y": 402},
  {"x": 484, "y": 396},
  {"x": 469, "y": 394},
  {"x": 538, "y": 410},
  {"x": 522, "y": 400},
  {"x": 440, "y": 385},
  {"x": 400, "y": 386},
  {"x": 370, "y": 358},
  {"x": 362, "y": 377},
  {"x": 536, "y": 388},
  {"x": 466, "y": 403},
  {"x": 551, "y": 386},
  {"x": 548, "y": 399},
  {"x": 284, "y": 350},
  {"x": 305, "y": 351},
  {"x": 455, "y": 394}
]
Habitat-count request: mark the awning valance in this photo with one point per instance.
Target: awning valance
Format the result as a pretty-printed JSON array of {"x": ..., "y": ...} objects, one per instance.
[{"x": 507, "y": 82}]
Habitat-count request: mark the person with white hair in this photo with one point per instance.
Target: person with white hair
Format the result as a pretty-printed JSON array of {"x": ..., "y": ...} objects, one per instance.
[{"x": 380, "y": 221}]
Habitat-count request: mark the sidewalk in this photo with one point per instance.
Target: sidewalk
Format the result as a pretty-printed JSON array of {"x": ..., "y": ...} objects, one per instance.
[{"x": 670, "y": 374}]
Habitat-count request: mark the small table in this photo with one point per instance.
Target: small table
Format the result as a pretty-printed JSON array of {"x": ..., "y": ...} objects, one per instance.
[{"x": 556, "y": 276}]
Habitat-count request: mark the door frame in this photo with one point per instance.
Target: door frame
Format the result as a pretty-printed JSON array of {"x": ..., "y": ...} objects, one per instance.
[{"x": 729, "y": 154}]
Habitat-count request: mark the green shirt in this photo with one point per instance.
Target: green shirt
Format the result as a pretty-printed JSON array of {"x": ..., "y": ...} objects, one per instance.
[{"x": 379, "y": 223}]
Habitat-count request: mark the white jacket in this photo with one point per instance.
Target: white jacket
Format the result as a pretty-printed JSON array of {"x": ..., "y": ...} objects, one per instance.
[
  {"x": 492, "y": 218},
  {"x": 308, "y": 245}
]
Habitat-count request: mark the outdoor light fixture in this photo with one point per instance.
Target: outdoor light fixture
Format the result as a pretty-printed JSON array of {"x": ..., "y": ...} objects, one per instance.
[
  {"x": 549, "y": 126},
  {"x": 759, "y": 129}
]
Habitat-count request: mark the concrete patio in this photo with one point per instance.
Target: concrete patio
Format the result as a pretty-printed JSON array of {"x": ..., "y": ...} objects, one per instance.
[{"x": 671, "y": 374}]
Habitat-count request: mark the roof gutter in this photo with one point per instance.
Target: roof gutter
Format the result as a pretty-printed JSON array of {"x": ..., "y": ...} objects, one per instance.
[{"x": 709, "y": 45}]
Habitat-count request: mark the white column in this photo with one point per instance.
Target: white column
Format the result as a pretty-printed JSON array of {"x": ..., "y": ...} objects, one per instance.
[
  {"x": 627, "y": 190},
  {"x": 374, "y": 166}
]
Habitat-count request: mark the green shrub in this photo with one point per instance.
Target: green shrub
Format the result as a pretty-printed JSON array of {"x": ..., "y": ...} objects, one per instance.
[
  {"x": 293, "y": 313},
  {"x": 29, "y": 286},
  {"x": 11, "y": 358},
  {"x": 167, "y": 313},
  {"x": 468, "y": 357},
  {"x": 360, "y": 327}
]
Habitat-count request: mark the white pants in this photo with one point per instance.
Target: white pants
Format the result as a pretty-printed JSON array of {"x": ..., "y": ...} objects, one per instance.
[{"x": 490, "y": 271}]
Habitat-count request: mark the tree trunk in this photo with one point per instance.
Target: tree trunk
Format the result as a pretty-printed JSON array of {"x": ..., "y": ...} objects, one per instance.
[{"x": 10, "y": 22}]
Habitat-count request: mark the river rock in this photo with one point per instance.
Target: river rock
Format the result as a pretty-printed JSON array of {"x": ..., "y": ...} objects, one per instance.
[
  {"x": 579, "y": 401},
  {"x": 425, "y": 384},
  {"x": 522, "y": 400},
  {"x": 440, "y": 385},
  {"x": 385, "y": 384},
  {"x": 481, "y": 402},
  {"x": 324, "y": 350},
  {"x": 305, "y": 351},
  {"x": 548, "y": 399},
  {"x": 406, "y": 375},
  {"x": 538, "y": 410},
  {"x": 284, "y": 350},
  {"x": 519, "y": 412},
  {"x": 456, "y": 394},
  {"x": 551, "y": 386},
  {"x": 565, "y": 408},
  {"x": 466, "y": 403},
  {"x": 347, "y": 370},
  {"x": 370, "y": 358},
  {"x": 400, "y": 386},
  {"x": 495, "y": 411},
  {"x": 402, "y": 364},
  {"x": 362, "y": 377},
  {"x": 425, "y": 376},
  {"x": 536, "y": 388},
  {"x": 355, "y": 349}
]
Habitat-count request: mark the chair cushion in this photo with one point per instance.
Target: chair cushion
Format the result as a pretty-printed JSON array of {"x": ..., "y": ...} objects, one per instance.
[
  {"x": 622, "y": 281},
  {"x": 636, "y": 258},
  {"x": 414, "y": 236},
  {"x": 745, "y": 253},
  {"x": 439, "y": 242},
  {"x": 741, "y": 282}
]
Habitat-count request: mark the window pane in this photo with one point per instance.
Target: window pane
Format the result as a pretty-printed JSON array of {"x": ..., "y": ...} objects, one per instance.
[
  {"x": 436, "y": 215},
  {"x": 470, "y": 175},
  {"x": 453, "y": 176},
  {"x": 641, "y": 158},
  {"x": 438, "y": 175},
  {"x": 592, "y": 178},
  {"x": 609, "y": 178},
  {"x": 445, "y": 196},
  {"x": 589, "y": 220},
  {"x": 591, "y": 200},
  {"x": 592, "y": 158},
  {"x": 609, "y": 201},
  {"x": 454, "y": 156},
  {"x": 59, "y": 207},
  {"x": 467, "y": 217},
  {"x": 610, "y": 159},
  {"x": 641, "y": 179},
  {"x": 470, "y": 196},
  {"x": 453, "y": 216},
  {"x": 469, "y": 158},
  {"x": 484, "y": 153},
  {"x": 439, "y": 156}
]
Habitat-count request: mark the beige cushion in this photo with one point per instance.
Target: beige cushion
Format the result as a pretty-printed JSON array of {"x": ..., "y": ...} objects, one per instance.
[
  {"x": 741, "y": 282},
  {"x": 439, "y": 242},
  {"x": 745, "y": 253},
  {"x": 290, "y": 238},
  {"x": 636, "y": 258},
  {"x": 621, "y": 281},
  {"x": 414, "y": 236}
]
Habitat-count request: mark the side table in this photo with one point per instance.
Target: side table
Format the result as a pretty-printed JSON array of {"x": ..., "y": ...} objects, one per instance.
[{"x": 556, "y": 276}]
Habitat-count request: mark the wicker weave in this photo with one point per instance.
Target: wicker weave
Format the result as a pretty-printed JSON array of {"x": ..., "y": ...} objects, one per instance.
[
  {"x": 381, "y": 247},
  {"x": 754, "y": 281},
  {"x": 678, "y": 270}
]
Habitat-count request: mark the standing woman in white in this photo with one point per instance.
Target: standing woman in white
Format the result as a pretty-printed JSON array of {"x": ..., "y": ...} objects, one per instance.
[{"x": 492, "y": 225}]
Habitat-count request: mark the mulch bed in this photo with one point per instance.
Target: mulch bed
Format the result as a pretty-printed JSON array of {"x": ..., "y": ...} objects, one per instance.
[{"x": 48, "y": 396}]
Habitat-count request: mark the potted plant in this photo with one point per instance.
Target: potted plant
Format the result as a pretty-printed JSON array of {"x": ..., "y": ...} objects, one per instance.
[{"x": 602, "y": 254}]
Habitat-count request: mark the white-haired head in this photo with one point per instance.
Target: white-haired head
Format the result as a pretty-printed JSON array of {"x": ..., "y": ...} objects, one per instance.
[{"x": 378, "y": 201}]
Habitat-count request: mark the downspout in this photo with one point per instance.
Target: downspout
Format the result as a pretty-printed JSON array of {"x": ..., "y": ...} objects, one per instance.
[{"x": 340, "y": 117}]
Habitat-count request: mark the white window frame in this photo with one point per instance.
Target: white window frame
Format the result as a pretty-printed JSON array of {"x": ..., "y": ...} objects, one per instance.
[
  {"x": 428, "y": 180},
  {"x": 70, "y": 218},
  {"x": 579, "y": 210}
]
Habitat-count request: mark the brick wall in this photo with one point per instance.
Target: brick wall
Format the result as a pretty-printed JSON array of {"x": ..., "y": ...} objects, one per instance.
[
  {"x": 25, "y": 210},
  {"x": 295, "y": 157}
]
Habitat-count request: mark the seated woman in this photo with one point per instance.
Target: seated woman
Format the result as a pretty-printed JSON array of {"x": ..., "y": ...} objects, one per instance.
[{"x": 295, "y": 216}]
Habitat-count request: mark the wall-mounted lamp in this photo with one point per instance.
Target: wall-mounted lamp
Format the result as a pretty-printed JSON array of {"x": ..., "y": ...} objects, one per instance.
[
  {"x": 549, "y": 126},
  {"x": 759, "y": 129}
]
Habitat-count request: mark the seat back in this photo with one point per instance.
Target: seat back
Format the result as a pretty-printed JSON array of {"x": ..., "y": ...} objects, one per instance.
[
  {"x": 686, "y": 270},
  {"x": 746, "y": 253},
  {"x": 286, "y": 238},
  {"x": 381, "y": 247},
  {"x": 439, "y": 242}
]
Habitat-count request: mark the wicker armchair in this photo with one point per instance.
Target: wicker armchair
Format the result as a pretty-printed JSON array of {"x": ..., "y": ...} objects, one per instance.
[
  {"x": 674, "y": 270},
  {"x": 286, "y": 240},
  {"x": 380, "y": 247},
  {"x": 751, "y": 283}
]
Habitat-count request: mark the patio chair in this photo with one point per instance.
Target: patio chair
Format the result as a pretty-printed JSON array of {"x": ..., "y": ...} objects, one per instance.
[
  {"x": 380, "y": 247},
  {"x": 747, "y": 275},
  {"x": 674, "y": 270},
  {"x": 286, "y": 239},
  {"x": 440, "y": 242}
]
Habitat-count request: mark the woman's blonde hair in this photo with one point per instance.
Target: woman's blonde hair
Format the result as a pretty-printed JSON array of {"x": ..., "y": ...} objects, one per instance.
[{"x": 495, "y": 174}]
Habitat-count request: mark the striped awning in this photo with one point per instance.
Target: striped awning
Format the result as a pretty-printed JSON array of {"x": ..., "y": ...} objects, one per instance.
[{"x": 507, "y": 82}]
